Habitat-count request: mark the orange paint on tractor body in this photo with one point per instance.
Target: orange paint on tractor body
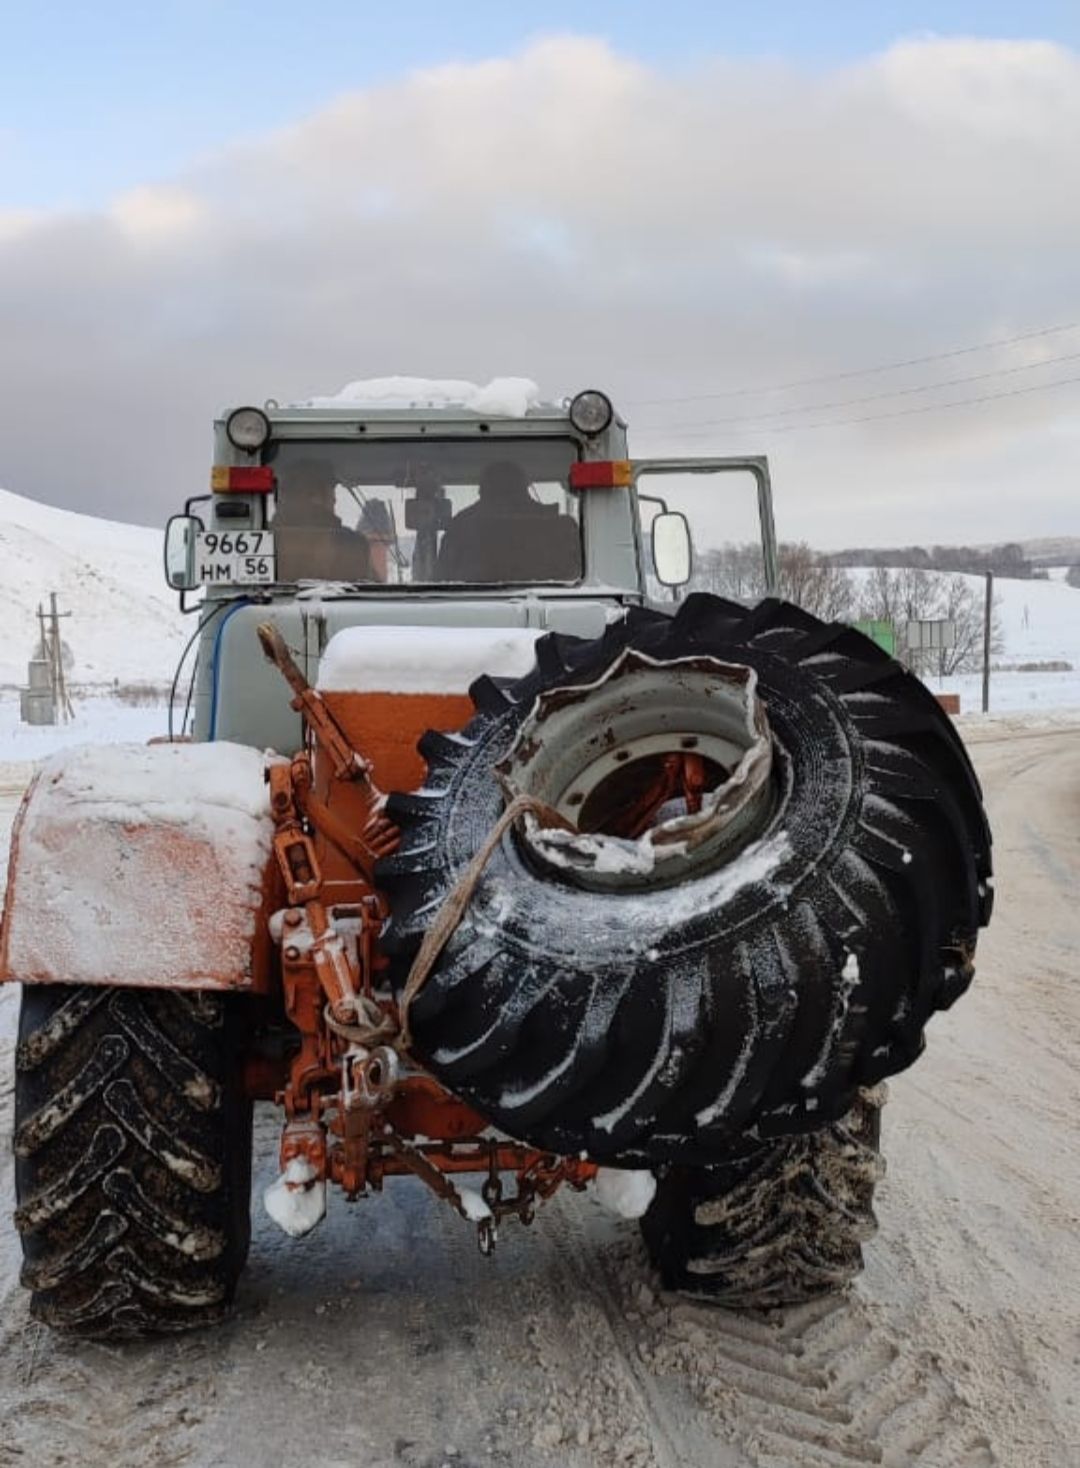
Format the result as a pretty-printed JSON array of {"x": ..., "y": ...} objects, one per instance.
[{"x": 387, "y": 726}]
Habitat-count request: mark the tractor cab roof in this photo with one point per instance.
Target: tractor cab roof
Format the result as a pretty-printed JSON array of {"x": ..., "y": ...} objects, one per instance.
[{"x": 393, "y": 406}]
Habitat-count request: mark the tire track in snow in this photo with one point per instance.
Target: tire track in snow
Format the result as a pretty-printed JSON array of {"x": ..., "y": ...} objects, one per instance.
[
  {"x": 825, "y": 1385},
  {"x": 586, "y": 1280},
  {"x": 78, "y": 1404}
]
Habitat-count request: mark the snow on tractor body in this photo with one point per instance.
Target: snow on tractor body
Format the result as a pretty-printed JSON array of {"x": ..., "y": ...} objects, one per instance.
[{"x": 551, "y": 876}]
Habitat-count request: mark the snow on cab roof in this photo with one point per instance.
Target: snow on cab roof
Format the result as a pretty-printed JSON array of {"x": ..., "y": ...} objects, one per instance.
[{"x": 502, "y": 397}]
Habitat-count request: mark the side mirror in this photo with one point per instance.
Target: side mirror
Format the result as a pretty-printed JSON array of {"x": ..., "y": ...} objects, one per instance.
[
  {"x": 180, "y": 552},
  {"x": 671, "y": 551}
]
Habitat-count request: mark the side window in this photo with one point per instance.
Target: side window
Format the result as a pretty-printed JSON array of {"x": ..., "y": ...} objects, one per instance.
[{"x": 722, "y": 511}]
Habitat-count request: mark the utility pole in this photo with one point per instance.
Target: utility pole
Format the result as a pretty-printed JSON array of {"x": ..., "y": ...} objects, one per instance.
[
  {"x": 52, "y": 650},
  {"x": 986, "y": 641}
]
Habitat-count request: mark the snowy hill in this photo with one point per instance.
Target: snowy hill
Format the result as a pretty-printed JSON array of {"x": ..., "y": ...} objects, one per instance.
[
  {"x": 1040, "y": 620},
  {"x": 1040, "y": 623},
  {"x": 124, "y": 622}
]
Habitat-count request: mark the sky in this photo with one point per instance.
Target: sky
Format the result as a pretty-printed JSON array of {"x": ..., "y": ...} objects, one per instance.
[{"x": 692, "y": 205}]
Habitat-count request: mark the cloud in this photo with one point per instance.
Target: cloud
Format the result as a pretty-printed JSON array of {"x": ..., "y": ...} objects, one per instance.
[
  {"x": 162, "y": 216},
  {"x": 569, "y": 214}
]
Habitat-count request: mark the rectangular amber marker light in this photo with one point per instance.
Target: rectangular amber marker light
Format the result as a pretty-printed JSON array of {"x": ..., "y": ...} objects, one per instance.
[
  {"x": 601, "y": 474},
  {"x": 241, "y": 479}
]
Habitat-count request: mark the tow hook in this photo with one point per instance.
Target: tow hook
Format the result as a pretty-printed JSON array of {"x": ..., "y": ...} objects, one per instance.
[{"x": 369, "y": 1078}]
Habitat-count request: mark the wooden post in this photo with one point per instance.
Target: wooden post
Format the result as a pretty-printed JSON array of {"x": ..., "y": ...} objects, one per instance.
[
  {"x": 56, "y": 661},
  {"x": 986, "y": 642}
]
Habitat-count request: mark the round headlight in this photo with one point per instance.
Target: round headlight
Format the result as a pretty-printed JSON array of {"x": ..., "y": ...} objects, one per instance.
[
  {"x": 247, "y": 428},
  {"x": 591, "y": 411}
]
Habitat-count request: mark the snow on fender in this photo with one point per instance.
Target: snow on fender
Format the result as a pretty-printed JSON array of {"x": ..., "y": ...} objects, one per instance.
[{"x": 142, "y": 865}]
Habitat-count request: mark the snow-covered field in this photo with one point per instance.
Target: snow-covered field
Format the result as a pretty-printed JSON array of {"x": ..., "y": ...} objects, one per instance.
[
  {"x": 1040, "y": 620},
  {"x": 1040, "y": 623},
  {"x": 98, "y": 720}
]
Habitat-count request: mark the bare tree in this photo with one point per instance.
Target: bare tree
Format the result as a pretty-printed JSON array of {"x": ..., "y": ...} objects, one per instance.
[
  {"x": 732, "y": 570},
  {"x": 915, "y": 595},
  {"x": 811, "y": 583},
  {"x": 806, "y": 578}
]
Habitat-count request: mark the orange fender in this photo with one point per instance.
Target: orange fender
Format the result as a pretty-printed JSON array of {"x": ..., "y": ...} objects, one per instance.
[{"x": 143, "y": 866}]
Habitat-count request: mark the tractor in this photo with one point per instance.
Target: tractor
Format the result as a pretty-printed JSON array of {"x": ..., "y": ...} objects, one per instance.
[{"x": 490, "y": 852}]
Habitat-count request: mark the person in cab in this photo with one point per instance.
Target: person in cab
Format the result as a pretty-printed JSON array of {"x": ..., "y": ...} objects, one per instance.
[
  {"x": 508, "y": 535},
  {"x": 311, "y": 541}
]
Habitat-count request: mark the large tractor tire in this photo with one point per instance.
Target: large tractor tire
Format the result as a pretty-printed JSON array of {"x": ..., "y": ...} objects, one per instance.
[
  {"x": 133, "y": 1159},
  {"x": 751, "y": 987},
  {"x": 780, "y": 1223}
]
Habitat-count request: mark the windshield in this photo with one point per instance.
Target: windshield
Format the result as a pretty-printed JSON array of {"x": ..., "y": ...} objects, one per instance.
[{"x": 426, "y": 512}]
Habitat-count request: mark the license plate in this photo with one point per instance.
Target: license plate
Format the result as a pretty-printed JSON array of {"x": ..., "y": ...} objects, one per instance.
[{"x": 235, "y": 557}]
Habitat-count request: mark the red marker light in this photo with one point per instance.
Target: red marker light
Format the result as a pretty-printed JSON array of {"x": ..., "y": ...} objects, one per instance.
[
  {"x": 601, "y": 474},
  {"x": 242, "y": 479}
]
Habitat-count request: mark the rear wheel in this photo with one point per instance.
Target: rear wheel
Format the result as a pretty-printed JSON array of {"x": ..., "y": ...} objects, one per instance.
[
  {"x": 133, "y": 1158},
  {"x": 780, "y": 1224}
]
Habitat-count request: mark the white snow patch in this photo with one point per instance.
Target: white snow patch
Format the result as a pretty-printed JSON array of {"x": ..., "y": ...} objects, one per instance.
[
  {"x": 708, "y": 1114},
  {"x": 849, "y": 979},
  {"x": 473, "y": 1205},
  {"x": 296, "y": 1201},
  {"x": 624, "y": 1192},
  {"x": 502, "y": 397},
  {"x": 423, "y": 659},
  {"x": 173, "y": 784}
]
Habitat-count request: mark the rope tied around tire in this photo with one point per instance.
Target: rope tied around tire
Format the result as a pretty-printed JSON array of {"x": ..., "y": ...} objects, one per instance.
[{"x": 379, "y": 1028}]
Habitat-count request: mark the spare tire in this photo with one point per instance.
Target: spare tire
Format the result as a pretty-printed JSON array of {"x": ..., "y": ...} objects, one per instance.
[{"x": 753, "y": 989}]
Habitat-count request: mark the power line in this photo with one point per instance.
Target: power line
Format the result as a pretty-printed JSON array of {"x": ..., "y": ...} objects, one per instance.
[
  {"x": 874, "y": 397},
  {"x": 741, "y": 392},
  {"x": 1016, "y": 392}
]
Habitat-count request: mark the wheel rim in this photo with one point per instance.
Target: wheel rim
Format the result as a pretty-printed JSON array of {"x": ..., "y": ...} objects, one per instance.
[{"x": 662, "y": 766}]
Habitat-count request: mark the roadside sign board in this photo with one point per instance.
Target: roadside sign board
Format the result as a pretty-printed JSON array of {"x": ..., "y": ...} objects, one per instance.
[{"x": 930, "y": 636}]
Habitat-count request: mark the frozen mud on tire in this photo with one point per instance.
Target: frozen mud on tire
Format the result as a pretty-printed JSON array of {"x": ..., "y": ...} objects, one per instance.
[
  {"x": 661, "y": 1025},
  {"x": 778, "y": 1225},
  {"x": 133, "y": 1159}
]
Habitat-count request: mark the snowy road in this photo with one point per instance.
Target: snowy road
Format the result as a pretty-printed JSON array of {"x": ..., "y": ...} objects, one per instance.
[{"x": 385, "y": 1339}]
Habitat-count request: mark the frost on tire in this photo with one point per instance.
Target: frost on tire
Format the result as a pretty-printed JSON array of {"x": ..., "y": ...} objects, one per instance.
[
  {"x": 133, "y": 1159},
  {"x": 759, "y": 986}
]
